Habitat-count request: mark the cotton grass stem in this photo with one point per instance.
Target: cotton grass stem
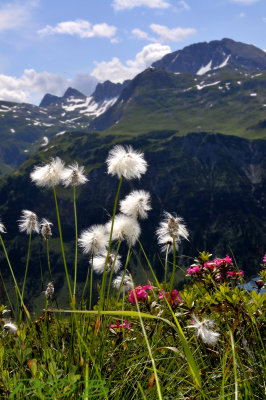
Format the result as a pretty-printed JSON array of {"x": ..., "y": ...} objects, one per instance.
[
  {"x": 173, "y": 270},
  {"x": 101, "y": 306},
  {"x": 14, "y": 279},
  {"x": 27, "y": 266},
  {"x": 149, "y": 349},
  {"x": 112, "y": 270},
  {"x": 62, "y": 245},
  {"x": 48, "y": 260},
  {"x": 89, "y": 274},
  {"x": 191, "y": 361},
  {"x": 166, "y": 262},
  {"x": 76, "y": 244}
]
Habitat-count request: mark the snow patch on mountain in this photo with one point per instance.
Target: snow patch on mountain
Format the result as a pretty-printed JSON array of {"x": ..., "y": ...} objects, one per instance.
[
  {"x": 45, "y": 141},
  {"x": 89, "y": 107},
  {"x": 224, "y": 63},
  {"x": 205, "y": 69},
  {"x": 97, "y": 109},
  {"x": 200, "y": 87}
]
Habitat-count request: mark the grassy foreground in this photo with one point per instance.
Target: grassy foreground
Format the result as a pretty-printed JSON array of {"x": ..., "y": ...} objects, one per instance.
[{"x": 205, "y": 341}]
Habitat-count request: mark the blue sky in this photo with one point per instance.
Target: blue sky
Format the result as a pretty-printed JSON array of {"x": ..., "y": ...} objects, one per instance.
[{"x": 48, "y": 45}]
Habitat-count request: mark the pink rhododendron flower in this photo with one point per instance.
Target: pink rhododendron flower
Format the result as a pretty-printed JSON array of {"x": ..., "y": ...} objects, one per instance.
[
  {"x": 226, "y": 261},
  {"x": 140, "y": 293},
  {"x": 125, "y": 324},
  {"x": 210, "y": 265},
  {"x": 264, "y": 259},
  {"x": 173, "y": 297},
  {"x": 193, "y": 270},
  {"x": 234, "y": 274},
  {"x": 148, "y": 286}
]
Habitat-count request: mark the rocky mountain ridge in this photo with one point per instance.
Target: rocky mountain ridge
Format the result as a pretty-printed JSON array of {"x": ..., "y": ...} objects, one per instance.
[{"x": 201, "y": 58}]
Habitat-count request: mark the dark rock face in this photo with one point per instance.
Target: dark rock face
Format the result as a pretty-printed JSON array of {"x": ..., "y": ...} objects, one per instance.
[
  {"x": 105, "y": 90},
  {"x": 70, "y": 92},
  {"x": 192, "y": 58},
  {"x": 50, "y": 99},
  {"x": 108, "y": 90}
]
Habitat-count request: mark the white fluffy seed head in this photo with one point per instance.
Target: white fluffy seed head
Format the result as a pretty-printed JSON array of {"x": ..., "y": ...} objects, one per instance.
[
  {"x": 48, "y": 175},
  {"x": 74, "y": 175},
  {"x": 126, "y": 162},
  {"x": 2, "y": 227},
  {"x": 166, "y": 243},
  {"x": 10, "y": 328},
  {"x": 125, "y": 228},
  {"x": 99, "y": 261},
  {"x": 46, "y": 229},
  {"x": 94, "y": 239},
  {"x": 28, "y": 222},
  {"x": 136, "y": 204},
  {"x": 171, "y": 229},
  {"x": 126, "y": 285},
  {"x": 49, "y": 292},
  {"x": 204, "y": 331}
]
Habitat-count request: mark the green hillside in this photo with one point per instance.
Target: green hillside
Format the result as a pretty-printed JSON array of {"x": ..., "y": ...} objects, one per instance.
[{"x": 226, "y": 101}]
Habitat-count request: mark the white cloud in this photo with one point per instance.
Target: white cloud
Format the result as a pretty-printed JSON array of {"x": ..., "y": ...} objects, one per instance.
[
  {"x": 172, "y": 35},
  {"x": 21, "y": 89},
  {"x": 32, "y": 86},
  {"x": 143, "y": 35},
  {"x": 81, "y": 28},
  {"x": 119, "y": 5},
  {"x": 245, "y": 2},
  {"x": 164, "y": 33},
  {"x": 15, "y": 14},
  {"x": 115, "y": 71},
  {"x": 184, "y": 6},
  {"x": 242, "y": 15}
]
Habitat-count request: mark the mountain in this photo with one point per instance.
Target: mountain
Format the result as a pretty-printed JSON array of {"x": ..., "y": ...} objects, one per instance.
[
  {"x": 228, "y": 101},
  {"x": 201, "y": 58},
  {"x": 217, "y": 86},
  {"x": 25, "y": 127},
  {"x": 215, "y": 182},
  {"x": 103, "y": 97}
]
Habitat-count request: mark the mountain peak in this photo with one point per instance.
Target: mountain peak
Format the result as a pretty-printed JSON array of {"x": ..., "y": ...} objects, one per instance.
[
  {"x": 49, "y": 99},
  {"x": 71, "y": 92},
  {"x": 202, "y": 57},
  {"x": 108, "y": 90}
]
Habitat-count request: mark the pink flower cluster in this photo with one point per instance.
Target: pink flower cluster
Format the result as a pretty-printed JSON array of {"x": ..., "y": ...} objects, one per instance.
[
  {"x": 119, "y": 326},
  {"x": 216, "y": 264},
  {"x": 140, "y": 293},
  {"x": 221, "y": 269},
  {"x": 224, "y": 262},
  {"x": 173, "y": 297},
  {"x": 235, "y": 274},
  {"x": 264, "y": 259},
  {"x": 193, "y": 269}
]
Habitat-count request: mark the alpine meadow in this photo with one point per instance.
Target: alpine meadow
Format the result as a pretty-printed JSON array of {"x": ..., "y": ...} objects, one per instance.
[{"x": 132, "y": 226}]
